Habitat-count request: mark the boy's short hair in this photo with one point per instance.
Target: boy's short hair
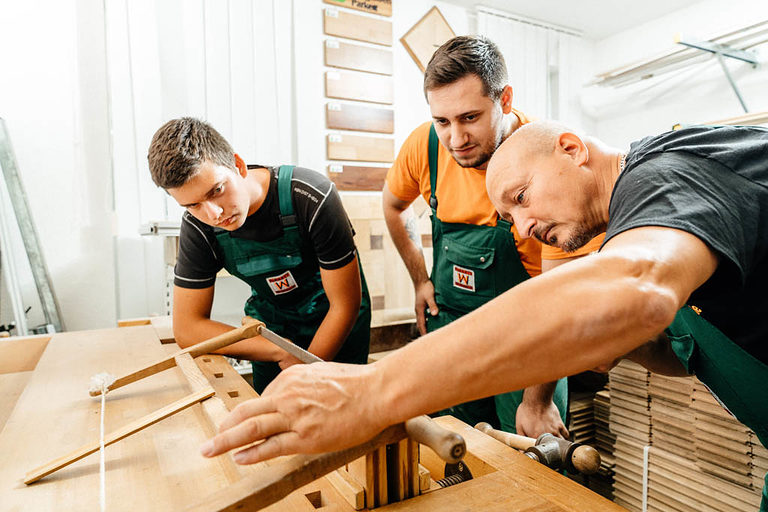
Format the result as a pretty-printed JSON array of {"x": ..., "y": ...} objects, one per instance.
[
  {"x": 180, "y": 146},
  {"x": 467, "y": 55}
]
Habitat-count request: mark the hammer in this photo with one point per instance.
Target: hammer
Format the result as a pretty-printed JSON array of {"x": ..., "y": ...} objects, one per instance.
[{"x": 552, "y": 451}]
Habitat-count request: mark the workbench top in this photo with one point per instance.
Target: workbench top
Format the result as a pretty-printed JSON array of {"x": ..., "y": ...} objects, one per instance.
[{"x": 160, "y": 468}]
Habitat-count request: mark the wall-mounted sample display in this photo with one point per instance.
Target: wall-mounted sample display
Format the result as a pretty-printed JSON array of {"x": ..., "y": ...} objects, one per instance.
[
  {"x": 358, "y": 86},
  {"x": 358, "y": 57},
  {"x": 355, "y": 177},
  {"x": 383, "y": 7},
  {"x": 426, "y": 36},
  {"x": 353, "y": 116},
  {"x": 354, "y": 26},
  {"x": 360, "y": 148}
]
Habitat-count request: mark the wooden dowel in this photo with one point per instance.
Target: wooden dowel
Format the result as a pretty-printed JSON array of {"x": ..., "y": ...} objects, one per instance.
[
  {"x": 211, "y": 345},
  {"x": 113, "y": 437}
]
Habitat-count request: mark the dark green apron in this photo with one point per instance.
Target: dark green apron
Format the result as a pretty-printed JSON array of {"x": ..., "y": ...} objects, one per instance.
[
  {"x": 286, "y": 290},
  {"x": 734, "y": 376},
  {"x": 471, "y": 265}
]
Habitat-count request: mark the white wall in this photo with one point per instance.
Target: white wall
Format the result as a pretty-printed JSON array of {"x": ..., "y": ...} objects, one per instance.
[{"x": 697, "y": 95}]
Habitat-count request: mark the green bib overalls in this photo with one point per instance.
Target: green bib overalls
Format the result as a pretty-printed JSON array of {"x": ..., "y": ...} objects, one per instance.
[
  {"x": 732, "y": 374},
  {"x": 286, "y": 290},
  {"x": 471, "y": 265}
]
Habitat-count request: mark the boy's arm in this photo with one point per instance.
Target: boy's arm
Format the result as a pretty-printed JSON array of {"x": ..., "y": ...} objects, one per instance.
[{"x": 192, "y": 324}]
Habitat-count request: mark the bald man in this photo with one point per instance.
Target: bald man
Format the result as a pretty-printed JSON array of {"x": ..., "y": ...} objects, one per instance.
[{"x": 684, "y": 264}]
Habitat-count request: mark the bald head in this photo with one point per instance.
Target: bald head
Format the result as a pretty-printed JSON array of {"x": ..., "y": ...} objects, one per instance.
[{"x": 539, "y": 179}]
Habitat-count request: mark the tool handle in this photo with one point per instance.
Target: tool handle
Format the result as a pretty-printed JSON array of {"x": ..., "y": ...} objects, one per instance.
[
  {"x": 586, "y": 459},
  {"x": 449, "y": 445},
  {"x": 514, "y": 440}
]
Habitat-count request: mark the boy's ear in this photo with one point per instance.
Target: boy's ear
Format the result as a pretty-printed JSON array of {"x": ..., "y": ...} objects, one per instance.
[{"x": 241, "y": 167}]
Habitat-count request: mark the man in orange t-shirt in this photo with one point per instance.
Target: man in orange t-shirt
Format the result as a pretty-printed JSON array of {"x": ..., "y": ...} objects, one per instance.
[{"x": 476, "y": 255}]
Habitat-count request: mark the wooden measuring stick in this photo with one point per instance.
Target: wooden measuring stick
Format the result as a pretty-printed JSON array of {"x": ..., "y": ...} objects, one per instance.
[
  {"x": 122, "y": 433},
  {"x": 211, "y": 345},
  {"x": 274, "y": 483}
]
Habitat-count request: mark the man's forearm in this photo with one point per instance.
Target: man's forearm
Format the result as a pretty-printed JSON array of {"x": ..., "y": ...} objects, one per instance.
[
  {"x": 551, "y": 338},
  {"x": 403, "y": 230},
  {"x": 333, "y": 332},
  {"x": 540, "y": 394}
]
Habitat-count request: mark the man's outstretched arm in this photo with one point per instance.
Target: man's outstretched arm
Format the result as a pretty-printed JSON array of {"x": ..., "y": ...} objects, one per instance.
[{"x": 565, "y": 321}]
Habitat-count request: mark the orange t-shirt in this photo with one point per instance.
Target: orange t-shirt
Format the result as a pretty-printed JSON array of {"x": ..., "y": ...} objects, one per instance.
[{"x": 461, "y": 193}]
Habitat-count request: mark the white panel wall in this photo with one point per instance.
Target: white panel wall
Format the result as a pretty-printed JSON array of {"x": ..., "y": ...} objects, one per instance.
[{"x": 699, "y": 94}]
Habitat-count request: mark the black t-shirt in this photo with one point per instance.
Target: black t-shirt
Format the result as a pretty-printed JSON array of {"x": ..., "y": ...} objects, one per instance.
[
  {"x": 713, "y": 183},
  {"x": 320, "y": 217}
]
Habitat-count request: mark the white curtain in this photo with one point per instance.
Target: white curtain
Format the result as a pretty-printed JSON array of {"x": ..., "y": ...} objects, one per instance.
[{"x": 544, "y": 64}]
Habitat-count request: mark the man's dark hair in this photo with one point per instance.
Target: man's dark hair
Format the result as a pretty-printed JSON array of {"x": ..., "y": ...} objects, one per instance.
[
  {"x": 180, "y": 146},
  {"x": 465, "y": 55}
]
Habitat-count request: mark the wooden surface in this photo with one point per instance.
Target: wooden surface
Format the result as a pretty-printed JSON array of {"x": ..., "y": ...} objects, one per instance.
[
  {"x": 337, "y": 22},
  {"x": 359, "y": 86},
  {"x": 383, "y": 7},
  {"x": 426, "y": 36},
  {"x": 357, "y": 177},
  {"x": 360, "y": 148},
  {"x": 358, "y": 57},
  {"x": 348, "y": 116}
]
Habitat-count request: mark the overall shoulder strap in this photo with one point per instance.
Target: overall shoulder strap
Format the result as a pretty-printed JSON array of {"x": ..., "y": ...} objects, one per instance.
[
  {"x": 284, "y": 177},
  {"x": 434, "y": 145}
]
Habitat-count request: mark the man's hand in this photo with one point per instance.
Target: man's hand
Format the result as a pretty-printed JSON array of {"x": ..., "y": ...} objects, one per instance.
[
  {"x": 310, "y": 408},
  {"x": 537, "y": 413},
  {"x": 425, "y": 298}
]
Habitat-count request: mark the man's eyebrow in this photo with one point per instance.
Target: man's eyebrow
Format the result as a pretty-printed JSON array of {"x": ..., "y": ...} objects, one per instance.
[{"x": 206, "y": 196}]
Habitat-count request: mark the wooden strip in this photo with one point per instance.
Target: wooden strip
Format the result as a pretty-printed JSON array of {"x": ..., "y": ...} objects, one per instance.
[
  {"x": 355, "y": 177},
  {"x": 360, "y": 148},
  {"x": 113, "y": 437},
  {"x": 21, "y": 354},
  {"x": 275, "y": 482},
  {"x": 133, "y": 322},
  {"x": 348, "y": 487},
  {"x": 383, "y": 7},
  {"x": 346, "y": 116},
  {"x": 353, "y": 26},
  {"x": 358, "y": 57},
  {"x": 380, "y": 462},
  {"x": 359, "y": 86},
  {"x": 424, "y": 477}
]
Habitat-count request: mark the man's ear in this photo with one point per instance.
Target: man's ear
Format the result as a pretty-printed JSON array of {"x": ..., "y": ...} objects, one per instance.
[
  {"x": 506, "y": 99},
  {"x": 241, "y": 167},
  {"x": 572, "y": 145}
]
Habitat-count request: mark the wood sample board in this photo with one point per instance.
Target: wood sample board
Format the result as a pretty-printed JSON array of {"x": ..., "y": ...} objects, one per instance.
[
  {"x": 354, "y": 26},
  {"x": 358, "y": 57},
  {"x": 356, "y": 177},
  {"x": 348, "y": 116},
  {"x": 360, "y": 148},
  {"x": 383, "y": 7},
  {"x": 426, "y": 36},
  {"x": 359, "y": 86}
]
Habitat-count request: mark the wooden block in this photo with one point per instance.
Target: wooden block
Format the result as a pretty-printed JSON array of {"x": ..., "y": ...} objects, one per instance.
[
  {"x": 348, "y": 487},
  {"x": 426, "y": 36},
  {"x": 359, "y": 86},
  {"x": 355, "y": 177},
  {"x": 133, "y": 322},
  {"x": 348, "y": 116},
  {"x": 163, "y": 328},
  {"x": 358, "y": 57},
  {"x": 360, "y": 148},
  {"x": 383, "y": 7},
  {"x": 353, "y": 26},
  {"x": 21, "y": 354},
  {"x": 424, "y": 478}
]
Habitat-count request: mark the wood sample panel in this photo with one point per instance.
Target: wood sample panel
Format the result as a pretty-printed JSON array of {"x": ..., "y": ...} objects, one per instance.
[
  {"x": 354, "y": 177},
  {"x": 383, "y": 7},
  {"x": 360, "y": 148},
  {"x": 426, "y": 36},
  {"x": 347, "y": 116},
  {"x": 354, "y": 26},
  {"x": 358, "y": 57},
  {"x": 359, "y": 86}
]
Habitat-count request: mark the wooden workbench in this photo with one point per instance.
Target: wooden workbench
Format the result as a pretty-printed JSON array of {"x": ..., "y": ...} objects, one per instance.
[{"x": 160, "y": 468}]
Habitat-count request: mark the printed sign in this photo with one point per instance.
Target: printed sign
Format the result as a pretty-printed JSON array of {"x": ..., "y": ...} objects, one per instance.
[
  {"x": 283, "y": 283},
  {"x": 463, "y": 278}
]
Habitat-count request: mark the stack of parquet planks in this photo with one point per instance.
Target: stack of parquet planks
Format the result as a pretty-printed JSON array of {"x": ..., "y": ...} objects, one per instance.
[
  {"x": 630, "y": 422},
  {"x": 602, "y": 482}
]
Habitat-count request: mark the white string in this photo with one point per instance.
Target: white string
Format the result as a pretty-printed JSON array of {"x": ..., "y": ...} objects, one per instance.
[{"x": 101, "y": 382}]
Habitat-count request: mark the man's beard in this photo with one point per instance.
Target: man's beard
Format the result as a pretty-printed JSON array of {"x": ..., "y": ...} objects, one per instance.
[
  {"x": 581, "y": 236},
  {"x": 486, "y": 154}
]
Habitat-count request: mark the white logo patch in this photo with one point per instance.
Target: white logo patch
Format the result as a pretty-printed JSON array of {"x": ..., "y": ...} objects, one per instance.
[
  {"x": 463, "y": 278},
  {"x": 283, "y": 283}
]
